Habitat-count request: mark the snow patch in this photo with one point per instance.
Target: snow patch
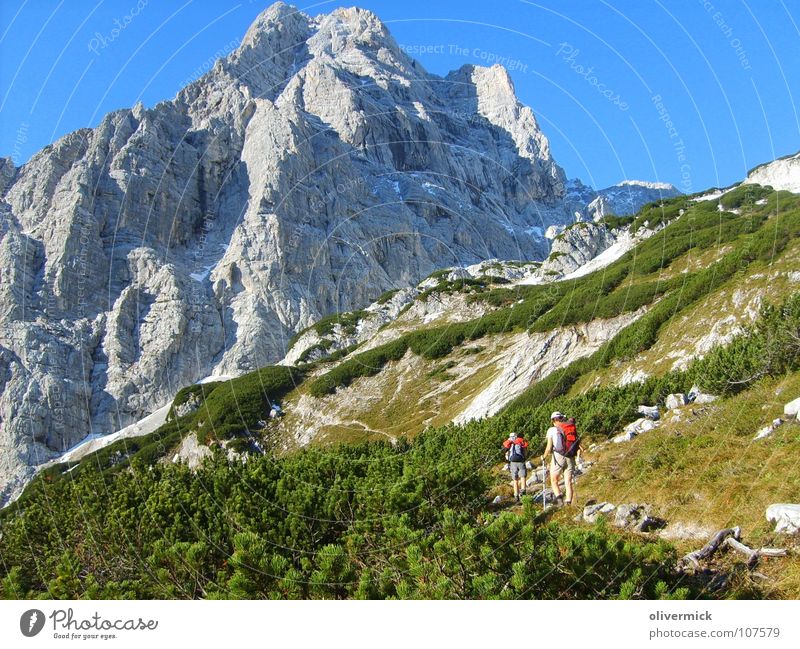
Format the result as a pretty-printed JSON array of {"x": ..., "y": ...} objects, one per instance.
[
  {"x": 142, "y": 427},
  {"x": 713, "y": 195}
]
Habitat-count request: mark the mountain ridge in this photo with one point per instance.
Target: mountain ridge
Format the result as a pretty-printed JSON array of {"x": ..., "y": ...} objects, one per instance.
[{"x": 306, "y": 173}]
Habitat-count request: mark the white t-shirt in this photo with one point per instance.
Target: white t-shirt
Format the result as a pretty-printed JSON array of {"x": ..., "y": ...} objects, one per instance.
[{"x": 551, "y": 434}]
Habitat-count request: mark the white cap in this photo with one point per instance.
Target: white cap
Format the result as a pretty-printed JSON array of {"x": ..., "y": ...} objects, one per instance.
[
  {"x": 556, "y": 415},
  {"x": 512, "y": 436}
]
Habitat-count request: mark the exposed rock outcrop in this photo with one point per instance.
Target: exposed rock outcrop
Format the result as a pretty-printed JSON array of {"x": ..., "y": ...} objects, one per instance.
[{"x": 783, "y": 173}]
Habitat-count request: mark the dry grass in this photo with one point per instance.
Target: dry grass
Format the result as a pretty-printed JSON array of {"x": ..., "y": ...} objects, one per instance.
[{"x": 702, "y": 467}]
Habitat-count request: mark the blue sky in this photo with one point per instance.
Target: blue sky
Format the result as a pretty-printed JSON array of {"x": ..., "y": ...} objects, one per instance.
[{"x": 693, "y": 92}]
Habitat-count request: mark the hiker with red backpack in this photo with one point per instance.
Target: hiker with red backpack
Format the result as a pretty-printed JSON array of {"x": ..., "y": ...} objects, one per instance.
[
  {"x": 564, "y": 443},
  {"x": 516, "y": 447}
]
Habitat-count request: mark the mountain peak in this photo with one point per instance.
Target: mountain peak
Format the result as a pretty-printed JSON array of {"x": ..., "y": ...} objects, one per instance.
[{"x": 275, "y": 18}]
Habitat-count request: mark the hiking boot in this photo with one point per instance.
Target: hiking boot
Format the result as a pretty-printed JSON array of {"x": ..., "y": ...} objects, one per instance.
[
  {"x": 524, "y": 492},
  {"x": 560, "y": 501},
  {"x": 516, "y": 497}
]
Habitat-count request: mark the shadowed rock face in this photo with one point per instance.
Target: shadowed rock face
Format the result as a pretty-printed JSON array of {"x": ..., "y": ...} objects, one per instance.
[{"x": 312, "y": 169}]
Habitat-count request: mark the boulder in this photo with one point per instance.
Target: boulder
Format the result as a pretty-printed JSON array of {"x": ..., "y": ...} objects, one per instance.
[
  {"x": 637, "y": 517},
  {"x": 191, "y": 452},
  {"x": 785, "y": 516},
  {"x": 651, "y": 412},
  {"x": 634, "y": 427},
  {"x": 189, "y": 406},
  {"x": 792, "y": 408},
  {"x": 696, "y": 396},
  {"x": 646, "y": 424},
  {"x": 704, "y": 398},
  {"x": 593, "y": 511},
  {"x": 675, "y": 401}
]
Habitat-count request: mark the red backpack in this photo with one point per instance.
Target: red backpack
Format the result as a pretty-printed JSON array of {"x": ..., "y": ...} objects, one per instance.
[{"x": 567, "y": 439}]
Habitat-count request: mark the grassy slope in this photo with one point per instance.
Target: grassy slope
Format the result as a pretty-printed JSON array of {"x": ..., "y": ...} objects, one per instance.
[
  {"x": 769, "y": 281},
  {"x": 703, "y": 467}
]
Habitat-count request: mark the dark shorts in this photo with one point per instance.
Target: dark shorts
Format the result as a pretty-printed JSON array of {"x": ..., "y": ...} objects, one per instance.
[{"x": 518, "y": 469}]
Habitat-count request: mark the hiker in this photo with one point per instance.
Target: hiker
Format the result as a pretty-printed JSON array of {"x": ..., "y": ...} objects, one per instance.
[
  {"x": 564, "y": 445},
  {"x": 517, "y": 455}
]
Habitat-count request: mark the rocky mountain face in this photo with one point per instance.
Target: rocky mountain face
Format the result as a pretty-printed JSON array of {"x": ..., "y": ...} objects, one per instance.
[
  {"x": 621, "y": 199},
  {"x": 311, "y": 170},
  {"x": 783, "y": 173}
]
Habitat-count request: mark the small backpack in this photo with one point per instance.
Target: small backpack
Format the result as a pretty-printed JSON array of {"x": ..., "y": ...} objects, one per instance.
[
  {"x": 567, "y": 440},
  {"x": 517, "y": 452}
]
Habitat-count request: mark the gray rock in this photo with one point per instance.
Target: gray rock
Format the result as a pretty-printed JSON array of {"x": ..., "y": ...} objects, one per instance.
[
  {"x": 538, "y": 476},
  {"x": 591, "y": 512},
  {"x": 792, "y": 408},
  {"x": 640, "y": 426},
  {"x": 768, "y": 430},
  {"x": 189, "y": 406},
  {"x": 637, "y": 427},
  {"x": 191, "y": 452},
  {"x": 675, "y": 401},
  {"x": 651, "y": 412},
  {"x": 703, "y": 398},
  {"x": 637, "y": 518},
  {"x": 547, "y": 494},
  {"x": 785, "y": 516},
  {"x": 577, "y": 245},
  {"x": 698, "y": 397}
]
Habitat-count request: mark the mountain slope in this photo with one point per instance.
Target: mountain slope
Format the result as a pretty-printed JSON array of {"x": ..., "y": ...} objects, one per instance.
[
  {"x": 309, "y": 171},
  {"x": 467, "y": 342},
  {"x": 378, "y": 516}
]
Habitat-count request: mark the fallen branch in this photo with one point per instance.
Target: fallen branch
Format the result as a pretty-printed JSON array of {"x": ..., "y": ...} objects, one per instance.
[
  {"x": 694, "y": 558},
  {"x": 750, "y": 553},
  {"x": 773, "y": 552}
]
